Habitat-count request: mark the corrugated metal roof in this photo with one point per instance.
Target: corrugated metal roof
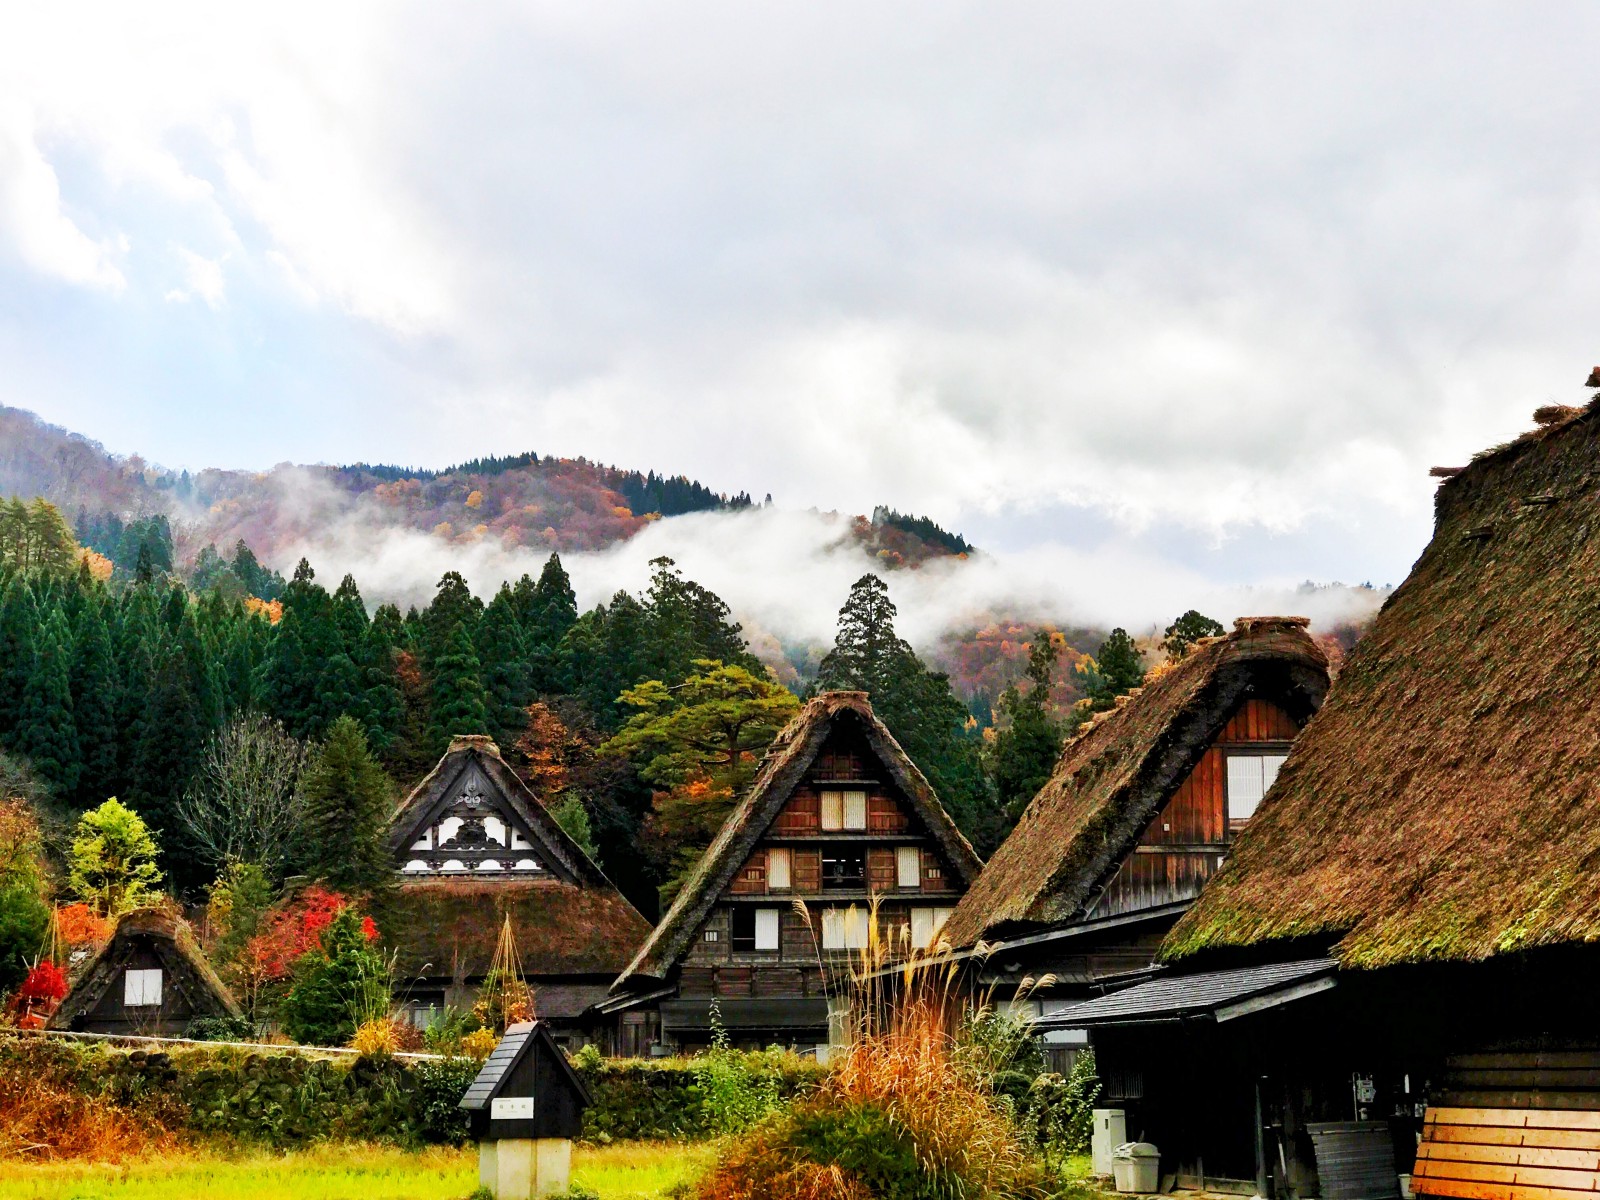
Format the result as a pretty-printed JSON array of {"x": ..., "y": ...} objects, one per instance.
[
  {"x": 1175, "y": 996},
  {"x": 494, "y": 1068}
]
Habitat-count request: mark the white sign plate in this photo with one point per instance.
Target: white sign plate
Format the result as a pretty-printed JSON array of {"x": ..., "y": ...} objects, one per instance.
[{"x": 511, "y": 1108}]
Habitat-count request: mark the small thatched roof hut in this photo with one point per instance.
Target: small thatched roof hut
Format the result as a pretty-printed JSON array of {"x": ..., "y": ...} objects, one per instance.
[{"x": 151, "y": 978}]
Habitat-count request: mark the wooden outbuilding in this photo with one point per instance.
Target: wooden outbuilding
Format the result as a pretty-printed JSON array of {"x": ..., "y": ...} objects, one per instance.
[
  {"x": 150, "y": 979},
  {"x": 473, "y": 845},
  {"x": 524, "y": 1109},
  {"x": 1142, "y": 809},
  {"x": 839, "y": 818},
  {"x": 1424, "y": 879}
]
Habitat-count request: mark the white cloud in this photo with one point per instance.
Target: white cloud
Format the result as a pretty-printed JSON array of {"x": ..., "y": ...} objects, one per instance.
[
  {"x": 31, "y": 214},
  {"x": 1245, "y": 273},
  {"x": 203, "y": 278}
]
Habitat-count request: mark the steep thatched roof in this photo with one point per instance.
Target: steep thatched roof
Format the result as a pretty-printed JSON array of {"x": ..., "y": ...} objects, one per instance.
[
  {"x": 470, "y": 753},
  {"x": 448, "y": 928},
  {"x": 574, "y": 922},
  {"x": 1444, "y": 804},
  {"x": 1113, "y": 778},
  {"x": 185, "y": 964},
  {"x": 785, "y": 765}
]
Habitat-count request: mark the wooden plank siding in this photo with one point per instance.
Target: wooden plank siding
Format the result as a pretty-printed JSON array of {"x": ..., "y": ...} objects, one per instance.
[
  {"x": 1508, "y": 1154},
  {"x": 1259, "y": 721},
  {"x": 714, "y": 968},
  {"x": 1186, "y": 843}
]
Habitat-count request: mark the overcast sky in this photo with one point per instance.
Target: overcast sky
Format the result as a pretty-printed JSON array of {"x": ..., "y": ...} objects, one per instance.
[{"x": 1215, "y": 282}]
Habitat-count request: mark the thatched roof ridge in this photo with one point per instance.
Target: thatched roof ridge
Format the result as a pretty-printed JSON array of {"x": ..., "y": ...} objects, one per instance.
[
  {"x": 176, "y": 939},
  {"x": 783, "y": 767},
  {"x": 477, "y": 750},
  {"x": 1113, "y": 778},
  {"x": 1443, "y": 805}
]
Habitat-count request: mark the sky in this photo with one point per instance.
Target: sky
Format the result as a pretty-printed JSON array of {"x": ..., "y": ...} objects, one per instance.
[{"x": 1197, "y": 291}]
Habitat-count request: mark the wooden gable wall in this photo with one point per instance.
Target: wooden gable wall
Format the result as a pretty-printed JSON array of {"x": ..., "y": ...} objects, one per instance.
[
  {"x": 845, "y": 762},
  {"x": 1185, "y": 844}
]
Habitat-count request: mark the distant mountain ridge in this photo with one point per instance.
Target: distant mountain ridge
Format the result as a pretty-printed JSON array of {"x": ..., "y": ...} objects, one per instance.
[{"x": 522, "y": 500}]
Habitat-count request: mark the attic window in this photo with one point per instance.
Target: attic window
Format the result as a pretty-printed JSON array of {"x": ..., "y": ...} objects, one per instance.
[
  {"x": 1249, "y": 777},
  {"x": 141, "y": 988},
  {"x": 844, "y": 810}
]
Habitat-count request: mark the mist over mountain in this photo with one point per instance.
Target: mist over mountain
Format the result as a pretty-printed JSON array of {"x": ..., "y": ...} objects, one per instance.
[{"x": 784, "y": 572}]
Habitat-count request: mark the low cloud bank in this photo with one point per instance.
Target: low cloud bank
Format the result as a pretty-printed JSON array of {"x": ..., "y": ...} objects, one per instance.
[{"x": 786, "y": 573}]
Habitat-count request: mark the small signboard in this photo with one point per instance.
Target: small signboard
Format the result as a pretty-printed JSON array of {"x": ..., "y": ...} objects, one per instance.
[{"x": 511, "y": 1108}]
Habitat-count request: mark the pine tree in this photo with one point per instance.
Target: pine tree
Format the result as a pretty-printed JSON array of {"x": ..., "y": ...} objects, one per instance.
[
  {"x": 1188, "y": 629},
  {"x": 1119, "y": 666},
  {"x": 46, "y": 734},
  {"x": 346, "y": 813},
  {"x": 459, "y": 704}
]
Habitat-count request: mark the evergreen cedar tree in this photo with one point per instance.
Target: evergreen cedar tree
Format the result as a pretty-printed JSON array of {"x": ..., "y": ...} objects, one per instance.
[
  {"x": 347, "y": 804},
  {"x": 916, "y": 705},
  {"x": 1027, "y": 736}
]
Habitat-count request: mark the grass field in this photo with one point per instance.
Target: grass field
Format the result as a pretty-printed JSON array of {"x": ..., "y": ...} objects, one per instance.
[{"x": 624, "y": 1172}]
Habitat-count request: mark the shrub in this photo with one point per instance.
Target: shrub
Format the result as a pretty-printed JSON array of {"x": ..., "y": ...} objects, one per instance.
[
  {"x": 376, "y": 1039},
  {"x": 221, "y": 1029},
  {"x": 664, "y": 1098},
  {"x": 905, "y": 1113},
  {"x": 733, "y": 1096},
  {"x": 339, "y": 987}
]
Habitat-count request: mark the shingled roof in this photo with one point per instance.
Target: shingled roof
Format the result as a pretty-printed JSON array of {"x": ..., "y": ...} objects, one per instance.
[
  {"x": 1444, "y": 804},
  {"x": 1113, "y": 778},
  {"x": 786, "y": 762},
  {"x": 186, "y": 966}
]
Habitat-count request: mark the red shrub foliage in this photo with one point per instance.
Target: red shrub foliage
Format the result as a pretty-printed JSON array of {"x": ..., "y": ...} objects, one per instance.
[{"x": 292, "y": 931}]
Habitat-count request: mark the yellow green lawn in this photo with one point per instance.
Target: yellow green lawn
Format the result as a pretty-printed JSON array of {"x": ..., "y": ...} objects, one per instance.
[{"x": 633, "y": 1171}]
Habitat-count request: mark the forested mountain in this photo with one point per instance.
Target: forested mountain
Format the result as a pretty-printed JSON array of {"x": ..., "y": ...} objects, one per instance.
[{"x": 519, "y": 500}]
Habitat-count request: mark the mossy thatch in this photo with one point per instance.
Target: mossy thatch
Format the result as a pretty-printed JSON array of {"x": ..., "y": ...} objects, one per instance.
[
  {"x": 169, "y": 937},
  {"x": 783, "y": 768},
  {"x": 1443, "y": 804},
  {"x": 1113, "y": 778}
]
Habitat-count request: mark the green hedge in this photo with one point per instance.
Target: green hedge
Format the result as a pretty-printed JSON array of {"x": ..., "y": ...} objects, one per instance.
[
  {"x": 662, "y": 1098},
  {"x": 277, "y": 1099},
  {"x": 289, "y": 1099}
]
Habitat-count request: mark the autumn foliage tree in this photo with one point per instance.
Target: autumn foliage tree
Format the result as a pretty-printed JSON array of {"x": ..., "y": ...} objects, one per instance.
[{"x": 699, "y": 744}]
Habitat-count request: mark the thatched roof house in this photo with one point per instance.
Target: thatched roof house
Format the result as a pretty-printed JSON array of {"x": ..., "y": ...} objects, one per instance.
[
  {"x": 472, "y": 844},
  {"x": 150, "y": 978},
  {"x": 1396, "y": 966},
  {"x": 790, "y": 756},
  {"x": 837, "y": 816},
  {"x": 1255, "y": 686},
  {"x": 1444, "y": 805}
]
